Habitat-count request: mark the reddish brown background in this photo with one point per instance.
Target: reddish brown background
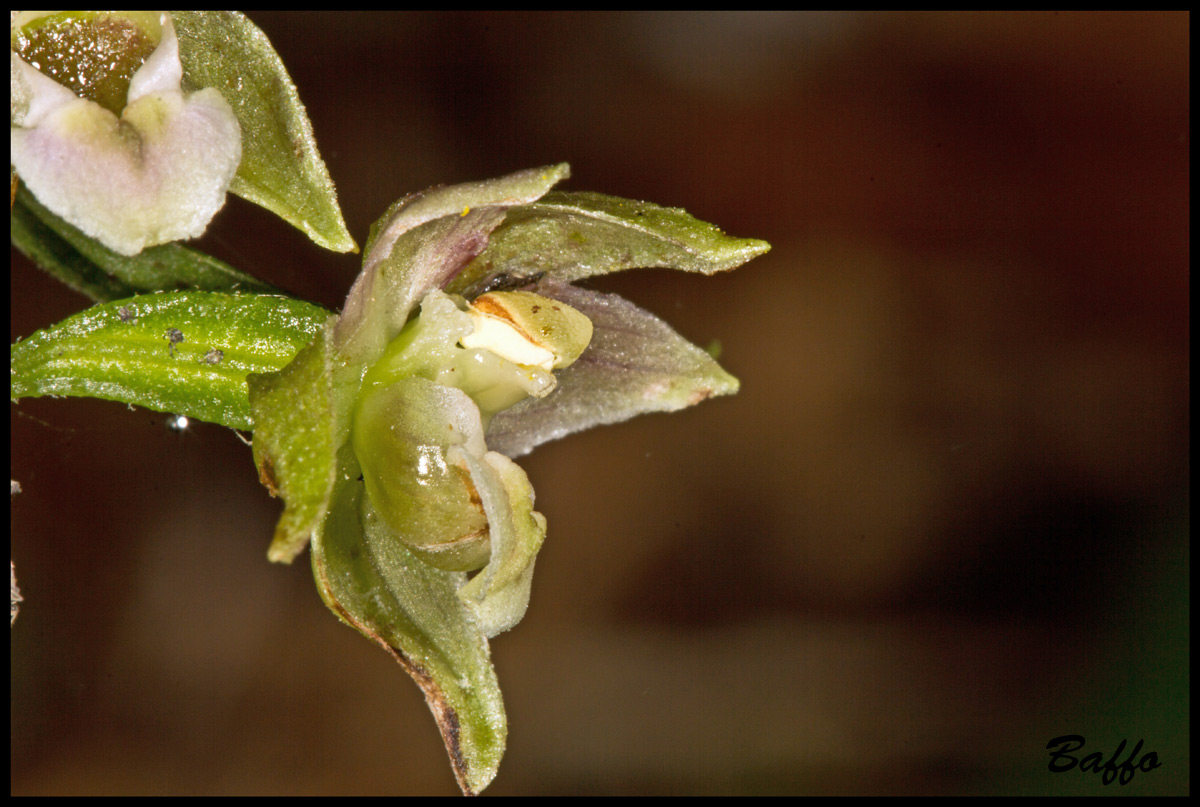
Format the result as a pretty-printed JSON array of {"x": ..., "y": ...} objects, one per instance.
[{"x": 946, "y": 519}]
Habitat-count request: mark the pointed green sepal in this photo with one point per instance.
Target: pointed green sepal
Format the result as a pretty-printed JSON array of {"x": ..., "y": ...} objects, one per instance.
[
  {"x": 573, "y": 235},
  {"x": 281, "y": 168},
  {"x": 411, "y": 609}
]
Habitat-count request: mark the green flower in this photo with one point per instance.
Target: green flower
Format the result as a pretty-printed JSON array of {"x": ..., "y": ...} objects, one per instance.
[
  {"x": 464, "y": 343},
  {"x": 390, "y": 429}
]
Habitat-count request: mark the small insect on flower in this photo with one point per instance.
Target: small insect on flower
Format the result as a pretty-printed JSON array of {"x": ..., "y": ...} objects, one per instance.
[
  {"x": 126, "y": 314},
  {"x": 501, "y": 281},
  {"x": 213, "y": 356},
  {"x": 173, "y": 336}
]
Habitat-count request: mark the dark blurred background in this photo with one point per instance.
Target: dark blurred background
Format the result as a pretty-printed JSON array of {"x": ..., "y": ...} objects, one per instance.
[{"x": 945, "y": 521}]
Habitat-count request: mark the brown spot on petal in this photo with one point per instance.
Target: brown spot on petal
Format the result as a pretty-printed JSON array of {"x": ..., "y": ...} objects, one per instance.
[
  {"x": 488, "y": 304},
  {"x": 472, "y": 492},
  {"x": 266, "y": 475}
]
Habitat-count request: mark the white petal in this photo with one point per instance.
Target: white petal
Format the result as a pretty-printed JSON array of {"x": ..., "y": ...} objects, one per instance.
[
  {"x": 157, "y": 174},
  {"x": 162, "y": 71},
  {"x": 41, "y": 94}
]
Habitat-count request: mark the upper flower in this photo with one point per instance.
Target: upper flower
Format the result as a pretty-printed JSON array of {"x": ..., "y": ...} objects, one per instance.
[
  {"x": 155, "y": 173},
  {"x": 105, "y": 136}
]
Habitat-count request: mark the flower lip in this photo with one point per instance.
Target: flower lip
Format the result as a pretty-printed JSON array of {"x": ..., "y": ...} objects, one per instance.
[{"x": 157, "y": 173}]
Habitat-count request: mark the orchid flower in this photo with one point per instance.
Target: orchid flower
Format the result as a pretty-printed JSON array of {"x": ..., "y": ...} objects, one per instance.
[
  {"x": 156, "y": 173},
  {"x": 464, "y": 343},
  {"x": 105, "y": 135}
]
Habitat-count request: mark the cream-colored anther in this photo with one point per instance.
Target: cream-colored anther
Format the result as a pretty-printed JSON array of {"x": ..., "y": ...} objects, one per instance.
[{"x": 528, "y": 329}]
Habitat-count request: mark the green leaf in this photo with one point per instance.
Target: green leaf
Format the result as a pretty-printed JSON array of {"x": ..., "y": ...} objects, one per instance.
[
  {"x": 182, "y": 352},
  {"x": 281, "y": 168},
  {"x": 38, "y": 240},
  {"x": 413, "y": 611},
  {"x": 92, "y": 269},
  {"x": 569, "y": 236}
]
